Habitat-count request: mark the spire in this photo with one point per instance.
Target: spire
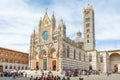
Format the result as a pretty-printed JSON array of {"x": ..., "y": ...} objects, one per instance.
[
  {"x": 46, "y": 19},
  {"x": 61, "y": 25},
  {"x": 79, "y": 34},
  {"x": 89, "y": 5},
  {"x": 61, "y": 22},
  {"x": 53, "y": 15},
  {"x": 53, "y": 20},
  {"x": 46, "y": 15},
  {"x": 40, "y": 21},
  {"x": 46, "y": 10},
  {"x": 34, "y": 31}
]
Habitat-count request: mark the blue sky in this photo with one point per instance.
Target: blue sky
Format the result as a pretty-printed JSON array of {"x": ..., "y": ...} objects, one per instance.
[{"x": 18, "y": 18}]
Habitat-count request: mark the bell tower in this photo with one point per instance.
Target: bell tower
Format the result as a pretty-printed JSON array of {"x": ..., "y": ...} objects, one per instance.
[{"x": 89, "y": 31}]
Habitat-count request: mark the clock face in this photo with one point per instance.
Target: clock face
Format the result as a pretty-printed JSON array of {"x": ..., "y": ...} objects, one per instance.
[{"x": 45, "y": 35}]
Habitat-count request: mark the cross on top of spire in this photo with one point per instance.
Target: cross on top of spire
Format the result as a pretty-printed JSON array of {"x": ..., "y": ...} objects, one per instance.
[{"x": 46, "y": 10}]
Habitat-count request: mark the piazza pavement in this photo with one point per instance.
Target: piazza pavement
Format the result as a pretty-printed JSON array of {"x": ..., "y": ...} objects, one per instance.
[{"x": 91, "y": 77}]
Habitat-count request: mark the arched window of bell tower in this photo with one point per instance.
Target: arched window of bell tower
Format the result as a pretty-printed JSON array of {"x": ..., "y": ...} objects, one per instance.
[{"x": 68, "y": 52}]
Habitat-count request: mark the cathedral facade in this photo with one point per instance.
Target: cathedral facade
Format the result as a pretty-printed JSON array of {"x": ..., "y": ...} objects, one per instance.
[{"x": 51, "y": 49}]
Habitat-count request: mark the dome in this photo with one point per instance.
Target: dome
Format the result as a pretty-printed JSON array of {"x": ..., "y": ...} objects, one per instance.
[
  {"x": 79, "y": 39},
  {"x": 79, "y": 34}
]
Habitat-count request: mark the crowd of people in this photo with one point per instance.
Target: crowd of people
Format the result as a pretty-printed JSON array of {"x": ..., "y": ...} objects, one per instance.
[
  {"x": 81, "y": 72},
  {"x": 49, "y": 76},
  {"x": 13, "y": 74}
]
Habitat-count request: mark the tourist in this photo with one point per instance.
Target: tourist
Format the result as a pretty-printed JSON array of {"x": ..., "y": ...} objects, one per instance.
[
  {"x": 63, "y": 78},
  {"x": 68, "y": 78},
  {"x": 31, "y": 78}
]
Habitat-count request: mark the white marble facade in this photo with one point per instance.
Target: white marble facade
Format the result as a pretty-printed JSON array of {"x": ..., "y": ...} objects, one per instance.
[{"x": 51, "y": 49}]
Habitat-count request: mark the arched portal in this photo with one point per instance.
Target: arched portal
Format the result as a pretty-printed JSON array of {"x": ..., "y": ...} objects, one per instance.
[
  {"x": 44, "y": 64},
  {"x": 90, "y": 67},
  {"x": 115, "y": 62},
  {"x": 37, "y": 65},
  {"x": 42, "y": 54},
  {"x": 51, "y": 53},
  {"x": 54, "y": 65},
  {"x": 1, "y": 68},
  {"x": 52, "y": 59},
  {"x": 116, "y": 68},
  {"x": 43, "y": 58}
]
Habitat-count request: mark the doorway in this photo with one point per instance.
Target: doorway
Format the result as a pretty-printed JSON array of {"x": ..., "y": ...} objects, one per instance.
[
  {"x": 1, "y": 68},
  {"x": 44, "y": 64},
  {"x": 90, "y": 67},
  {"x": 116, "y": 68},
  {"x": 54, "y": 65},
  {"x": 37, "y": 65}
]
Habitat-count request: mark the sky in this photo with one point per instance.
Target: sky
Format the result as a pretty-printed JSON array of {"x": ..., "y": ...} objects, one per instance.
[{"x": 18, "y": 19}]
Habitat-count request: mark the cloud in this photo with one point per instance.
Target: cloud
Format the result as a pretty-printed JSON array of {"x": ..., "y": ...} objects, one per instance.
[{"x": 20, "y": 17}]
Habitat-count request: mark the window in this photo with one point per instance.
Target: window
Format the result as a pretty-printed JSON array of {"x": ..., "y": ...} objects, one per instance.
[
  {"x": 10, "y": 61},
  {"x": 74, "y": 54},
  {"x": 10, "y": 67},
  {"x": 79, "y": 56},
  {"x": 87, "y": 12},
  {"x": 87, "y": 41},
  {"x": 6, "y": 60},
  {"x": 90, "y": 58},
  {"x": 22, "y": 62},
  {"x": 18, "y": 61},
  {"x": 14, "y": 67},
  {"x": 14, "y": 55},
  {"x": 11, "y": 55},
  {"x": 88, "y": 25},
  {"x": 18, "y": 67},
  {"x": 6, "y": 67},
  {"x": 22, "y": 67},
  {"x": 101, "y": 58},
  {"x": 68, "y": 51},
  {"x": 45, "y": 35},
  {"x": 7, "y": 54},
  {"x": 88, "y": 30},
  {"x": 26, "y": 67},
  {"x": 2, "y": 53},
  {"x": 87, "y": 19}
]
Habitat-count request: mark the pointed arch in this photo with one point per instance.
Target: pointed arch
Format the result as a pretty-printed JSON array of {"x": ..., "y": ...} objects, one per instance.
[
  {"x": 42, "y": 53},
  {"x": 51, "y": 52}
]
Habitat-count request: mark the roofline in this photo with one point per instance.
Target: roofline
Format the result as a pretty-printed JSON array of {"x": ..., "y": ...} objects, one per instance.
[
  {"x": 14, "y": 50},
  {"x": 113, "y": 50},
  {"x": 109, "y": 50}
]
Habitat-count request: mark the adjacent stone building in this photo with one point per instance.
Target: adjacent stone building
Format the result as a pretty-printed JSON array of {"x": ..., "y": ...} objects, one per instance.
[
  {"x": 51, "y": 49},
  {"x": 13, "y": 60}
]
